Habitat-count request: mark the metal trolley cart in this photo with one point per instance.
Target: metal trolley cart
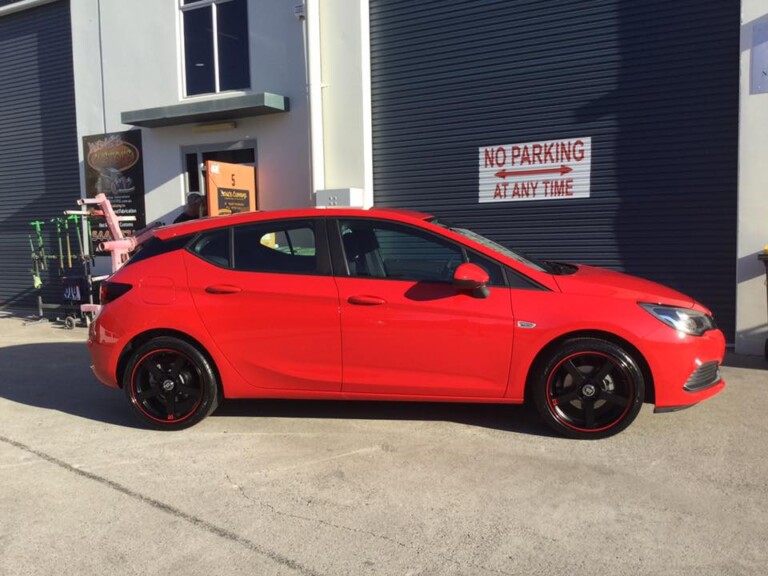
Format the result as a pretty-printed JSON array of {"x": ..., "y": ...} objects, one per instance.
[{"x": 74, "y": 270}]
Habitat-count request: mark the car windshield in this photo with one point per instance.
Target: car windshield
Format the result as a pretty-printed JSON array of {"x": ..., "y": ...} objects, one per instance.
[{"x": 537, "y": 265}]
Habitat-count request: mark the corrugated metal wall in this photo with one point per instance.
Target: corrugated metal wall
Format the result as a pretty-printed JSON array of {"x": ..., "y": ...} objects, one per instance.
[
  {"x": 39, "y": 173},
  {"x": 654, "y": 83}
]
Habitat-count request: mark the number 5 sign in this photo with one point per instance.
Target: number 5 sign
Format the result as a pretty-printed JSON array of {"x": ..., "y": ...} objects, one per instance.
[{"x": 231, "y": 188}]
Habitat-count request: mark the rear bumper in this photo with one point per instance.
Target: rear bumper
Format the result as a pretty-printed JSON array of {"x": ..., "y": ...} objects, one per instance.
[
  {"x": 103, "y": 345},
  {"x": 102, "y": 377}
]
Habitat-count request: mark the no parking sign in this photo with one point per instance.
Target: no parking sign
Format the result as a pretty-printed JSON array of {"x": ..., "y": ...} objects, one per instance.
[{"x": 547, "y": 170}]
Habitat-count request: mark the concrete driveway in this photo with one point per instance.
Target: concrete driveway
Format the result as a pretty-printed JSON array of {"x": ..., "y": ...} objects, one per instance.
[{"x": 361, "y": 488}]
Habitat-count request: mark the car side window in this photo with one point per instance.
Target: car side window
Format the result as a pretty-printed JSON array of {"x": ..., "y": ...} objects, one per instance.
[
  {"x": 376, "y": 249},
  {"x": 276, "y": 247},
  {"x": 517, "y": 281},
  {"x": 213, "y": 247}
]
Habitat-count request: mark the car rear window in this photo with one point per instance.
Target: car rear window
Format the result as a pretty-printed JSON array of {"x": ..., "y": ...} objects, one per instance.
[{"x": 154, "y": 247}]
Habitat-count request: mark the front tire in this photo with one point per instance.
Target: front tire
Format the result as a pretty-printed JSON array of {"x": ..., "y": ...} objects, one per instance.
[
  {"x": 588, "y": 388},
  {"x": 170, "y": 384}
]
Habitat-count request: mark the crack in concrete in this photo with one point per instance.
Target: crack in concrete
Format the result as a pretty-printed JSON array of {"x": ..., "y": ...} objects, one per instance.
[
  {"x": 417, "y": 549},
  {"x": 316, "y": 520},
  {"x": 168, "y": 509}
]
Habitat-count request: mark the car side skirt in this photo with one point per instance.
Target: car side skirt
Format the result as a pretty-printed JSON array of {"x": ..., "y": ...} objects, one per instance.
[{"x": 321, "y": 395}]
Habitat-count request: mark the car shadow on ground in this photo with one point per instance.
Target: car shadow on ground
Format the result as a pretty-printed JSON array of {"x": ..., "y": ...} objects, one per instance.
[
  {"x": 504, "y": 417},
  {"x": 57, "y": 376}
]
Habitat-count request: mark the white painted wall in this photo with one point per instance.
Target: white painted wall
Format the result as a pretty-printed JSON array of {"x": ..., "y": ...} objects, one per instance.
[
  {"x": 137, "y": 45},
  {"x": 751, "y": 312},
  {"x": 346, "y": 73}
]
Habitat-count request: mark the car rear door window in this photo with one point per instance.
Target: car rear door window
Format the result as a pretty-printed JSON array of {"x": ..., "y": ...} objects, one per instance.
[{"x": 277, "y": 247}]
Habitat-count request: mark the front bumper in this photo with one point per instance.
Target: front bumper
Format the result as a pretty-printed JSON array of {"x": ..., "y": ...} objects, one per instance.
[
  {"x": 705, "y": 376},
  {"x": 686, "y": 369}
]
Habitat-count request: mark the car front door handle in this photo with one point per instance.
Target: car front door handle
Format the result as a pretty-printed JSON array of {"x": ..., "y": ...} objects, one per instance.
[
  {"x": 223, "y": 289},
  {"x": 366, "y": 300}
]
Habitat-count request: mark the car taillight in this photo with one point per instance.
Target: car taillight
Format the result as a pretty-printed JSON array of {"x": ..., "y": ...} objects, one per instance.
[{"x": 112, "y": 291}]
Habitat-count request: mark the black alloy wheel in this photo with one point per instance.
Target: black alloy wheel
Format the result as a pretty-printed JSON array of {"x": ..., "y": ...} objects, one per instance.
[
  {"x": 170, "y": 384},
  {"x": 589, "y": 389}
]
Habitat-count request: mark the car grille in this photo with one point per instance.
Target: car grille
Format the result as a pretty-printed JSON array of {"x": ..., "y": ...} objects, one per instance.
[{"x": 704, "y": 376}]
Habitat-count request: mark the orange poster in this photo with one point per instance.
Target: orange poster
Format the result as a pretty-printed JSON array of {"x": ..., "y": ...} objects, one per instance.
[{"x": 231, "y": 188}]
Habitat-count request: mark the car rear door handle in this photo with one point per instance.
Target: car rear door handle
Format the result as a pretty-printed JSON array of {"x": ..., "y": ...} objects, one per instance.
[
  {"x": 223, "y": 289},
  {"x": 366, "y": 300}
]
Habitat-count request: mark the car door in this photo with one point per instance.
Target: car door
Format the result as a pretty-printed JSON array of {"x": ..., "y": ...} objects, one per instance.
[
  {"x": 265, "y": 293},
  {"x": 406, "y": 330}
]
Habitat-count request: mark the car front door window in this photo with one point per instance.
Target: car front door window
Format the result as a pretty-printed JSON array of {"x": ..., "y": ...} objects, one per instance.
[{"x": 383, "y": 250}]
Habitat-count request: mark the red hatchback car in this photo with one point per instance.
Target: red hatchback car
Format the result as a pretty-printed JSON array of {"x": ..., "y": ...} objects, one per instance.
[{"x": 391, "y": 305}]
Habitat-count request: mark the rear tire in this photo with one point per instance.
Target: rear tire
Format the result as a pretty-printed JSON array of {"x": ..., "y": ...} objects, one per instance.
[
  {"x": 170, "y": 384},
  {"x": 588, "y": 388}
]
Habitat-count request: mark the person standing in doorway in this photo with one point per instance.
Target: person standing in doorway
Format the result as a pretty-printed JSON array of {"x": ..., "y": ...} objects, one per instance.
[{"x": 192, "y": 209}]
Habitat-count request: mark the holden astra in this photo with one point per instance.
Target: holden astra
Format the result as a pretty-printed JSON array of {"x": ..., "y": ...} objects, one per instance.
[{"x": 380, "y": 304}]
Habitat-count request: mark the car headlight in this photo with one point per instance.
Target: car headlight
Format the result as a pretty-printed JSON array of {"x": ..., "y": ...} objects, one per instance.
[{"x": 683, "y": 319}]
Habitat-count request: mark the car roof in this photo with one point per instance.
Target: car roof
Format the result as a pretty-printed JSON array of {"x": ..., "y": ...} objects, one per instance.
[{"x": 209, "y": 223}]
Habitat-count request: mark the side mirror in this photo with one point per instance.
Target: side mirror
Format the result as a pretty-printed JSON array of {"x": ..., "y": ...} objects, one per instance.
[{"x": 471, "y": 277}]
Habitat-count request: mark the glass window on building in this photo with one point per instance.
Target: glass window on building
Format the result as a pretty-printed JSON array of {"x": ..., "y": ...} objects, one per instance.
[{"x": 216, "y": 52}]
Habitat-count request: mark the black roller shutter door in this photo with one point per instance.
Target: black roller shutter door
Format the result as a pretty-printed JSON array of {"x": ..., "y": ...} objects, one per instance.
[
  {"x": 39, "y": 173},
  {"x": 654, "y": 84}
]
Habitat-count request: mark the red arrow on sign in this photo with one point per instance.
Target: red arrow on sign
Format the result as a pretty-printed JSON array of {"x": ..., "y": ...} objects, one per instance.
[{"x": 562, "y": 170}]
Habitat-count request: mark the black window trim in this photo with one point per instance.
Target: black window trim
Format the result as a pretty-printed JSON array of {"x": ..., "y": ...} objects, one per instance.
[
  {"x": 329, "y": 250},
  {"x": 344, "y": 265},
  {"x": 322, "y": 252},
  {"x": 341, "y": 268},
  {"x": 442, "y": 239}
]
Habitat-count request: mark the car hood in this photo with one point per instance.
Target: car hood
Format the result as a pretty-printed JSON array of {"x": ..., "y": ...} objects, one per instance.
[{"x": 593, "y": 281}]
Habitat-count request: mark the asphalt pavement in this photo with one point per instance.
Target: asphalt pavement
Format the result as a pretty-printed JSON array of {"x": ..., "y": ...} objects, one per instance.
[{"x": 333, "y": 488}]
